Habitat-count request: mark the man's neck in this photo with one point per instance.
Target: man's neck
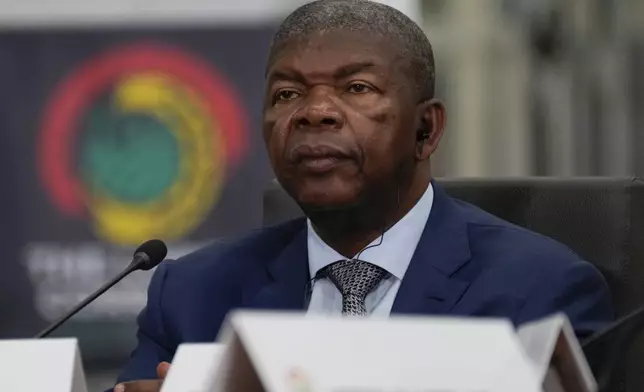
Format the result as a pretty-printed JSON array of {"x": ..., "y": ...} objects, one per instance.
[{"x": 350, "y": 230}]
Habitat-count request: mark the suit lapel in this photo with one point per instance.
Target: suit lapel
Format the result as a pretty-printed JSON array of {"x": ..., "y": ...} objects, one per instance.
[
  {"x": 282, "y": 285},
  {"x": 428, "y": 286}
]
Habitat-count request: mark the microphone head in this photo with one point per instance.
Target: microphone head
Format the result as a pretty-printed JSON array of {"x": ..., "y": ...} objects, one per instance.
[{"x": 149, "y": 254}]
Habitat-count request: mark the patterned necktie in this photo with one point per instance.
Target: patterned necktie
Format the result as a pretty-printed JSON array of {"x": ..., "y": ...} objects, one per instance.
[{"x": 355, "y": 279}]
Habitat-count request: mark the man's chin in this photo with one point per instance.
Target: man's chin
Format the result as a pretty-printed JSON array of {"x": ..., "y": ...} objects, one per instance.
[{"x": 325, "y": 201}]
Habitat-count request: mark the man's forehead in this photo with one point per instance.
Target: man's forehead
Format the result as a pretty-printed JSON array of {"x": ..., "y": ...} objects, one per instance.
[{"x": 330, "y": 51}]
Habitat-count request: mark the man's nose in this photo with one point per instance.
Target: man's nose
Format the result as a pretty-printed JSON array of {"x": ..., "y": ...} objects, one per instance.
[{"x": 320, "y": 112}]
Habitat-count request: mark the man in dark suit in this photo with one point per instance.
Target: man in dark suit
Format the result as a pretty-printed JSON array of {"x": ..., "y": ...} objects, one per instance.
[{"x": 350, "y": 123}]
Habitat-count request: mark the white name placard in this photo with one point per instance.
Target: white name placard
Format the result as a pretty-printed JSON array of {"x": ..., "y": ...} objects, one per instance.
[
  {"x": 282, "y": 352},
  {"x": 36, "y": 365},
  {"x": 193, "y": 367}
]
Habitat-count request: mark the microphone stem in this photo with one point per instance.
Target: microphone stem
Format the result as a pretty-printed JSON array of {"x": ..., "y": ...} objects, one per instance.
[{"x": 45, "y": 332}]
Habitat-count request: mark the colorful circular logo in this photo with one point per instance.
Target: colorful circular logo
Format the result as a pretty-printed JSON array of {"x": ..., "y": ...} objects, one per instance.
[{"x": 139, "y": 140}]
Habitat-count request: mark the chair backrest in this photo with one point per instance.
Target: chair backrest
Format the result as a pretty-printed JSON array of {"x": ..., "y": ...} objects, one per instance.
[{"x": 601, "y": 219}]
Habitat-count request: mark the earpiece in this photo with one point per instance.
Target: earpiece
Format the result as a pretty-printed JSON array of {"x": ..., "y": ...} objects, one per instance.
[{"x": 423, "y": 132}]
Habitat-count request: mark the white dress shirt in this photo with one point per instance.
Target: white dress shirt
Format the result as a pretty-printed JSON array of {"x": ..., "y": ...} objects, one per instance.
[{"x": 393, "y": 255}]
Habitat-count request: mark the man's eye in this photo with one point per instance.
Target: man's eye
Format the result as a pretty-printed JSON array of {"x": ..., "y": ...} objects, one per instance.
[
  {"x": 359, "y": 88},
  {"x": 286, "y": 95}
]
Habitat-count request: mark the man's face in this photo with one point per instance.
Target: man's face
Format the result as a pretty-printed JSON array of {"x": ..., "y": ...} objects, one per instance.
[{"x": 339, "y": 118}]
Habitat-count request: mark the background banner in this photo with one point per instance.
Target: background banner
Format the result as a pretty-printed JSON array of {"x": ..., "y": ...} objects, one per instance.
[{"x": 110, "y": 137}]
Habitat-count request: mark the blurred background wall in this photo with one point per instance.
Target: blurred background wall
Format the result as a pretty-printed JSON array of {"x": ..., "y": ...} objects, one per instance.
[
  {"x": 92, "y": 160},
  {"x": 540, "y": 87}
]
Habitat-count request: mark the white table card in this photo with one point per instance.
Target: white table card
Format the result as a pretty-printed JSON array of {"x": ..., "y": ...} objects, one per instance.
[
  {"x": 284, "y": 352},
  {"x": 36, "y": 365},
  {"x": 555, "y": 352},
  {"x": 192, "y": 367}
]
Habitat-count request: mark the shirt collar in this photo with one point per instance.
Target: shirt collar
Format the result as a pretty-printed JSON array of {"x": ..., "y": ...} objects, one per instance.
[{"x": 393, "y": 254}]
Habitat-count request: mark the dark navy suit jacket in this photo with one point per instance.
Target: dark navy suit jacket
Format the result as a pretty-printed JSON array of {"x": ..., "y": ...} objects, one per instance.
[{"x": 467, "y": 263}]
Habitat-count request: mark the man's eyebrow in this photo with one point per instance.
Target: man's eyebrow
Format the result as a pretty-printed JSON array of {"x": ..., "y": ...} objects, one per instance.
[
  {"x": 345, "y": 71},
  {"x": 286, "y": 74},
  {"x": 353, "y": 68}
]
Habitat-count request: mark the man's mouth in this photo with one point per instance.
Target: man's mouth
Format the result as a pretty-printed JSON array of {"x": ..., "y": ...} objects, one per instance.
[
  {"x": 322, "y": 164},
  {"x": 319, "y": 158}
]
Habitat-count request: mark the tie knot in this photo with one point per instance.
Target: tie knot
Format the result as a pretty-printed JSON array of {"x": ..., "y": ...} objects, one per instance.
[{"x": 354, "y": 277}]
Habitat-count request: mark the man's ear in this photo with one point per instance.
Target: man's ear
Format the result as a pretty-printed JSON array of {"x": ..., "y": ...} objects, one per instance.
[{"x": 432, "y": 118}]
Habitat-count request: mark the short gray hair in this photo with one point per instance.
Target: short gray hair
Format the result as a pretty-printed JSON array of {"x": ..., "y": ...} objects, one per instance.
[{"x": 367, "y": 17}]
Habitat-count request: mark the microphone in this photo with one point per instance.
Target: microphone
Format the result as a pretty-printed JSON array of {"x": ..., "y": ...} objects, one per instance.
[{"x": 147, "y": 256}]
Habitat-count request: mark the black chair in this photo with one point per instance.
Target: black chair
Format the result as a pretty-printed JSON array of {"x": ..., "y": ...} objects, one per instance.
[{"x": 602, "y": 219}]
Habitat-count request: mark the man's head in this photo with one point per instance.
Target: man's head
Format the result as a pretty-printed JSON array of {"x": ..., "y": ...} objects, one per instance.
[{"x": 349, "y": 113}]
